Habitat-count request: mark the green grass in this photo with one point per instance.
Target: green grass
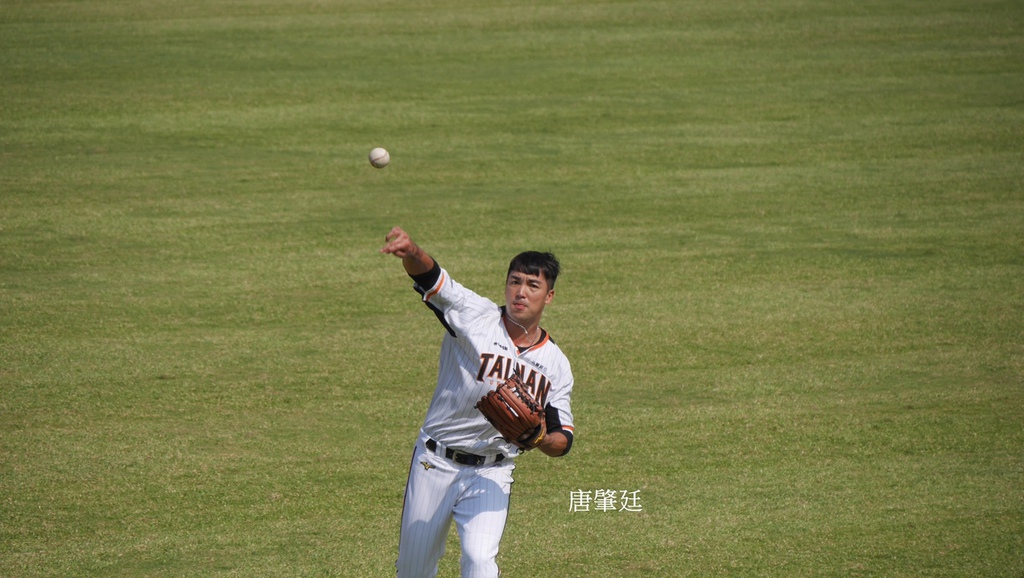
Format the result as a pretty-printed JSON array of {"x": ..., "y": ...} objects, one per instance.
[{"x": 793, "y": 294}]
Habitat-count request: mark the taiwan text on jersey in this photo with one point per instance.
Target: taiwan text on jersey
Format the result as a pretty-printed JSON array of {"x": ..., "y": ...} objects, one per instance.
[{"x": 477, "y": 353}]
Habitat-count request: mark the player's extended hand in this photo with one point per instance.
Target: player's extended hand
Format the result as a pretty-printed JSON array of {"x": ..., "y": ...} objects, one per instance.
[
  {"x": 398, "y": 243},
  {"x": 415, "y": 259}
]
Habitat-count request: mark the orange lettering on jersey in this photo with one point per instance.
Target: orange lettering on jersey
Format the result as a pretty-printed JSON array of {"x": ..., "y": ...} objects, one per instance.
[
  {"x": 542, "y": 392},
  {"x": 498, "y": 369},
  {"x": 513, "y": 368},
  {"x": 537, "y": 384},
  {"x": 485, "y": 359}
]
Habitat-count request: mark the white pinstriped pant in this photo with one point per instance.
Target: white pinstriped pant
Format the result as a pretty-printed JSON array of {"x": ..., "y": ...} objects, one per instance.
[{"x": 439, "y": 491}]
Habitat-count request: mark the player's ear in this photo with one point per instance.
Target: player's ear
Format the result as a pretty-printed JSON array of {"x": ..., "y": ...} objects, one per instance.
[{"x": 549, "y": 297}]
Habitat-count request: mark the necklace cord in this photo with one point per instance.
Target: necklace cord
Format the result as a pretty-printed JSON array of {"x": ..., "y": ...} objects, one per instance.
[{"x": 525, "y": 332}]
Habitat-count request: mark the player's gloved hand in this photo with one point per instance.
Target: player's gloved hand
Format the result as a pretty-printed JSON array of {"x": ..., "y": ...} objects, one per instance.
[{"x": 513, "y": 411}]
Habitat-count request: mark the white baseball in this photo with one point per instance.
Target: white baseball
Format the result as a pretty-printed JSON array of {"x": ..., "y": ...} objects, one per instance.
[{"x": 379, "y": 158}]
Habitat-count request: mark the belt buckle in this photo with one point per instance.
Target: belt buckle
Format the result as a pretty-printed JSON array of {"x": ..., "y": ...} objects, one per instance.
[
  {"x": 461, "y": 457},
  {"x": 466, "y": 459}
]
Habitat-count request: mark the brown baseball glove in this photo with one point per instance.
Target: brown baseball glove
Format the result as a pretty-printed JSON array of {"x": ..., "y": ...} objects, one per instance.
[{"x": 514, "y": 413}]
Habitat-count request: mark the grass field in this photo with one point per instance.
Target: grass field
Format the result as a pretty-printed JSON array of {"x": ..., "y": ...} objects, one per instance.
[{"x": 792, "y": 234}]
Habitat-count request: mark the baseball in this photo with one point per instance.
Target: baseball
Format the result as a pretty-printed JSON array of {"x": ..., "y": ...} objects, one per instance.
[{"x": 379, "y": 158}]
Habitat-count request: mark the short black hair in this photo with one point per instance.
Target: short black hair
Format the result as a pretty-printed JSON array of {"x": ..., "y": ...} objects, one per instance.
[{"x": 536, "y": 263}]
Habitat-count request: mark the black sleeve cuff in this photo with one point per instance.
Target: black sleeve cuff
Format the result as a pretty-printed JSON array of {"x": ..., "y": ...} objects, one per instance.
[
  {"x": 554, "y": 424},
  {"x": 569, "y": 436},
  {"x": 428, "y": 279}
]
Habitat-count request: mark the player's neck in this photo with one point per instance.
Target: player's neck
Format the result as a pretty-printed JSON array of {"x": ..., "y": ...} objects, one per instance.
[{"x": 522, "y": 335}]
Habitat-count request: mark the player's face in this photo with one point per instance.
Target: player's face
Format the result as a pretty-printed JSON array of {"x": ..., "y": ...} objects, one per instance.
[{"x": 526, "y": 296}]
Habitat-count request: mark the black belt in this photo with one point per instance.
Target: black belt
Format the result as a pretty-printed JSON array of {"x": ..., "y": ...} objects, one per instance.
[{"x": 462, "y": 457}]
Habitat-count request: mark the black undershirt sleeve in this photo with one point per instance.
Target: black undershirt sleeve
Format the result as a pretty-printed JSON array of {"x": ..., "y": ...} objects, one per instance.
[{"x": 554, "y": 424}]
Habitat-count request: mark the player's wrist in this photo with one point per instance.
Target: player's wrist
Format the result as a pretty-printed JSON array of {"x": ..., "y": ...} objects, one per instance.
[
  {"x": 555, "y": 444},
  {"x": 418, "y": 262}
]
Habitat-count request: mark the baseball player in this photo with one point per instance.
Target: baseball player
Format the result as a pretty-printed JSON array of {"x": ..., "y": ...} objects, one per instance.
[{"x": 461, "y": 466}]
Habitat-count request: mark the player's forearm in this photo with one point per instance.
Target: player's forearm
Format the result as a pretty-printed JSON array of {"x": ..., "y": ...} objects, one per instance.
[
  {"x": 417, "y": 261},
  {"x": 554, "y": 444}
]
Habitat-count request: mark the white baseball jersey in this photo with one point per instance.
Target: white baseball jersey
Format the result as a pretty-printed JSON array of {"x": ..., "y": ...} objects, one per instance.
[{"x": 477, "y": 353}]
